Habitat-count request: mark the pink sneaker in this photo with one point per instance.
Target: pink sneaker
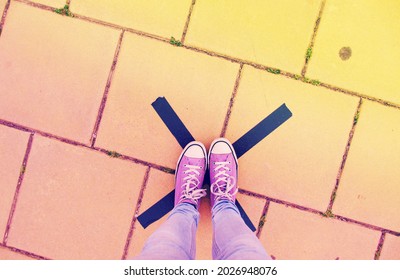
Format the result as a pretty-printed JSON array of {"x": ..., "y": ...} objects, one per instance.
[
  {"x": 223, "y": 167},
  {"x": 189, "y": 174}
]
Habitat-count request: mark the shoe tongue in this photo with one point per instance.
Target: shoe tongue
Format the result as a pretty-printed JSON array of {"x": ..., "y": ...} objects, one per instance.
[
  {"x": 194, "y": 161},
  {"x": 221, "y": 157}
]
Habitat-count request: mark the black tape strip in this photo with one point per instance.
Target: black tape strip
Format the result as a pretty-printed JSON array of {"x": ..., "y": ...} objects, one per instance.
[
  {"x": 245, "y": 218},
  {"x": 172, "y": 121},
  {"x": 158, "y": 210},
  {"x": 261, "y": 130}
]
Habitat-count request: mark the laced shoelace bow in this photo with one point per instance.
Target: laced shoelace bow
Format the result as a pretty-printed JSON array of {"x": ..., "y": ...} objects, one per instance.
[
  {"x": 222, "y": 187},
  {"x": 190, "y": 187}
]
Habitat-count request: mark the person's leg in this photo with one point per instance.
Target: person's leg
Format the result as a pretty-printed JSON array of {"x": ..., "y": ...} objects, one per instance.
[
  {"x": 232, "y": 239},
  {"x": 175, "y": 239}
]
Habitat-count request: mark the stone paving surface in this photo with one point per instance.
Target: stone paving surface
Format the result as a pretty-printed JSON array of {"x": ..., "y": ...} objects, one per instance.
[
  {"x": 83, "y": 153},
  {"x": 391, "y": 249},
  {"x": 2, "y": 6}
]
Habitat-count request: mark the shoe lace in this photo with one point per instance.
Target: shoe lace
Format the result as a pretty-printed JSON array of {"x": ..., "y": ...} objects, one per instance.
[
  {"x": 224, "y": 184},
  {"x": 191, "y": 188}
]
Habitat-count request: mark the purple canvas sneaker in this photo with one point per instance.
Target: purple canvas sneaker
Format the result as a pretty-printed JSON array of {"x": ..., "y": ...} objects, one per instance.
[
  {"x": 223, "y": 167},
  {"x": 189, "y": 174}
]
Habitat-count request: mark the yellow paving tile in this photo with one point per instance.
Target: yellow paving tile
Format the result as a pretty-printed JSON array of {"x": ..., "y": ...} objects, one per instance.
[
  {"x": 294, "y": 234},
  {"x": 197, "y": 86},
  {"x": 13, "y": 144},
  {"x": 158, "y": 186},
  {"x": 369, "y": 188},
  {"x": 163, "y": 18},
  {"x": 52, "y": 3},
  {"x": 54, "y": 79},
  {"x": 7, "y": 254},
  {"x": 372, "y": 41},
  {"x": 300, "y": 160},
  {"x": 75, "y": 203},
  {"x": 273, "y": 33},
  {"x": 2, "y": 6},
  {"x": 391, "y": 248}
]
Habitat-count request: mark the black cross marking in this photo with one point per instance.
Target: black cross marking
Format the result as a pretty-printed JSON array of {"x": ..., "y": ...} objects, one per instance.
[{"x": 183, "y": 136}]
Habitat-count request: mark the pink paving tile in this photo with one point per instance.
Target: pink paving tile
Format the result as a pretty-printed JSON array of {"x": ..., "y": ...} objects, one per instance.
[
  {"x": 13, "y": 144},
  {"x": 158, "y": 185},
  {"x": 391, "y": 248},
  {"x": 299, "y": 161},
  {"x": 290, "y": 233},
  {"x": 369, "y": 187},
  {"x": 53, "y": 79},
  {"x": 197, "y": 86},
  {"x": 75, "y": 203},
  {"x": 2, "y": 6},
  {"x": 8, "y": 254}
]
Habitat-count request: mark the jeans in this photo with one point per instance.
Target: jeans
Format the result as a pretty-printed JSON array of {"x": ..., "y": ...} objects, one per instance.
[{"x": 175, "y": 239}]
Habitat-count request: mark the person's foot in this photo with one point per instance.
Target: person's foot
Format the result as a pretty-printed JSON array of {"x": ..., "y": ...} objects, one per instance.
[
  {"x": 223, "y": 167},
  {"x": 189, "y": 174}
]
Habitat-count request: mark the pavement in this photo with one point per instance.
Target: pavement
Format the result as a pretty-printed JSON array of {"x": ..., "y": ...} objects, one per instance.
[{"x": 83, "y": 153}]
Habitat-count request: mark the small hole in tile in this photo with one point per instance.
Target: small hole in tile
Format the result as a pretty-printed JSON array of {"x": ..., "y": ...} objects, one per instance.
[{"x": 345, "y": 53}]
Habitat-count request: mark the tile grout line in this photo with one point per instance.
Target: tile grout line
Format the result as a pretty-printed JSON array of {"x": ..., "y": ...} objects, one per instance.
[
  {"x": 320, "y": 213},
  {"x": 366, "y": 225},
  {"x": 134, "y": 218},
  {"x": 289, "y": 75},
  {"x": 185, "y": 29},
  {"x": 312, "y": 42},
  {"x": 280, "y": 201},
  {"x": 263, "y": 218},
  {"x": 231, "y": 101},
  {"x": 380, "y": 245},
  {"x": 18, "y": 188},
  {"x": 137, "y": 161},
  {"x": 106, "y": 90},
  {"x": 78, "y": 144},
  {"x": 218, "y": 55},
  {"x": 345, "y": 155},
  {"x": 4, "y": 15},
  {"x": 23, "y": 252}
]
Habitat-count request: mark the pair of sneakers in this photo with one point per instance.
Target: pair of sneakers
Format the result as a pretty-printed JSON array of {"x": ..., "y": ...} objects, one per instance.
[{"x": 191, "y": 169}]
